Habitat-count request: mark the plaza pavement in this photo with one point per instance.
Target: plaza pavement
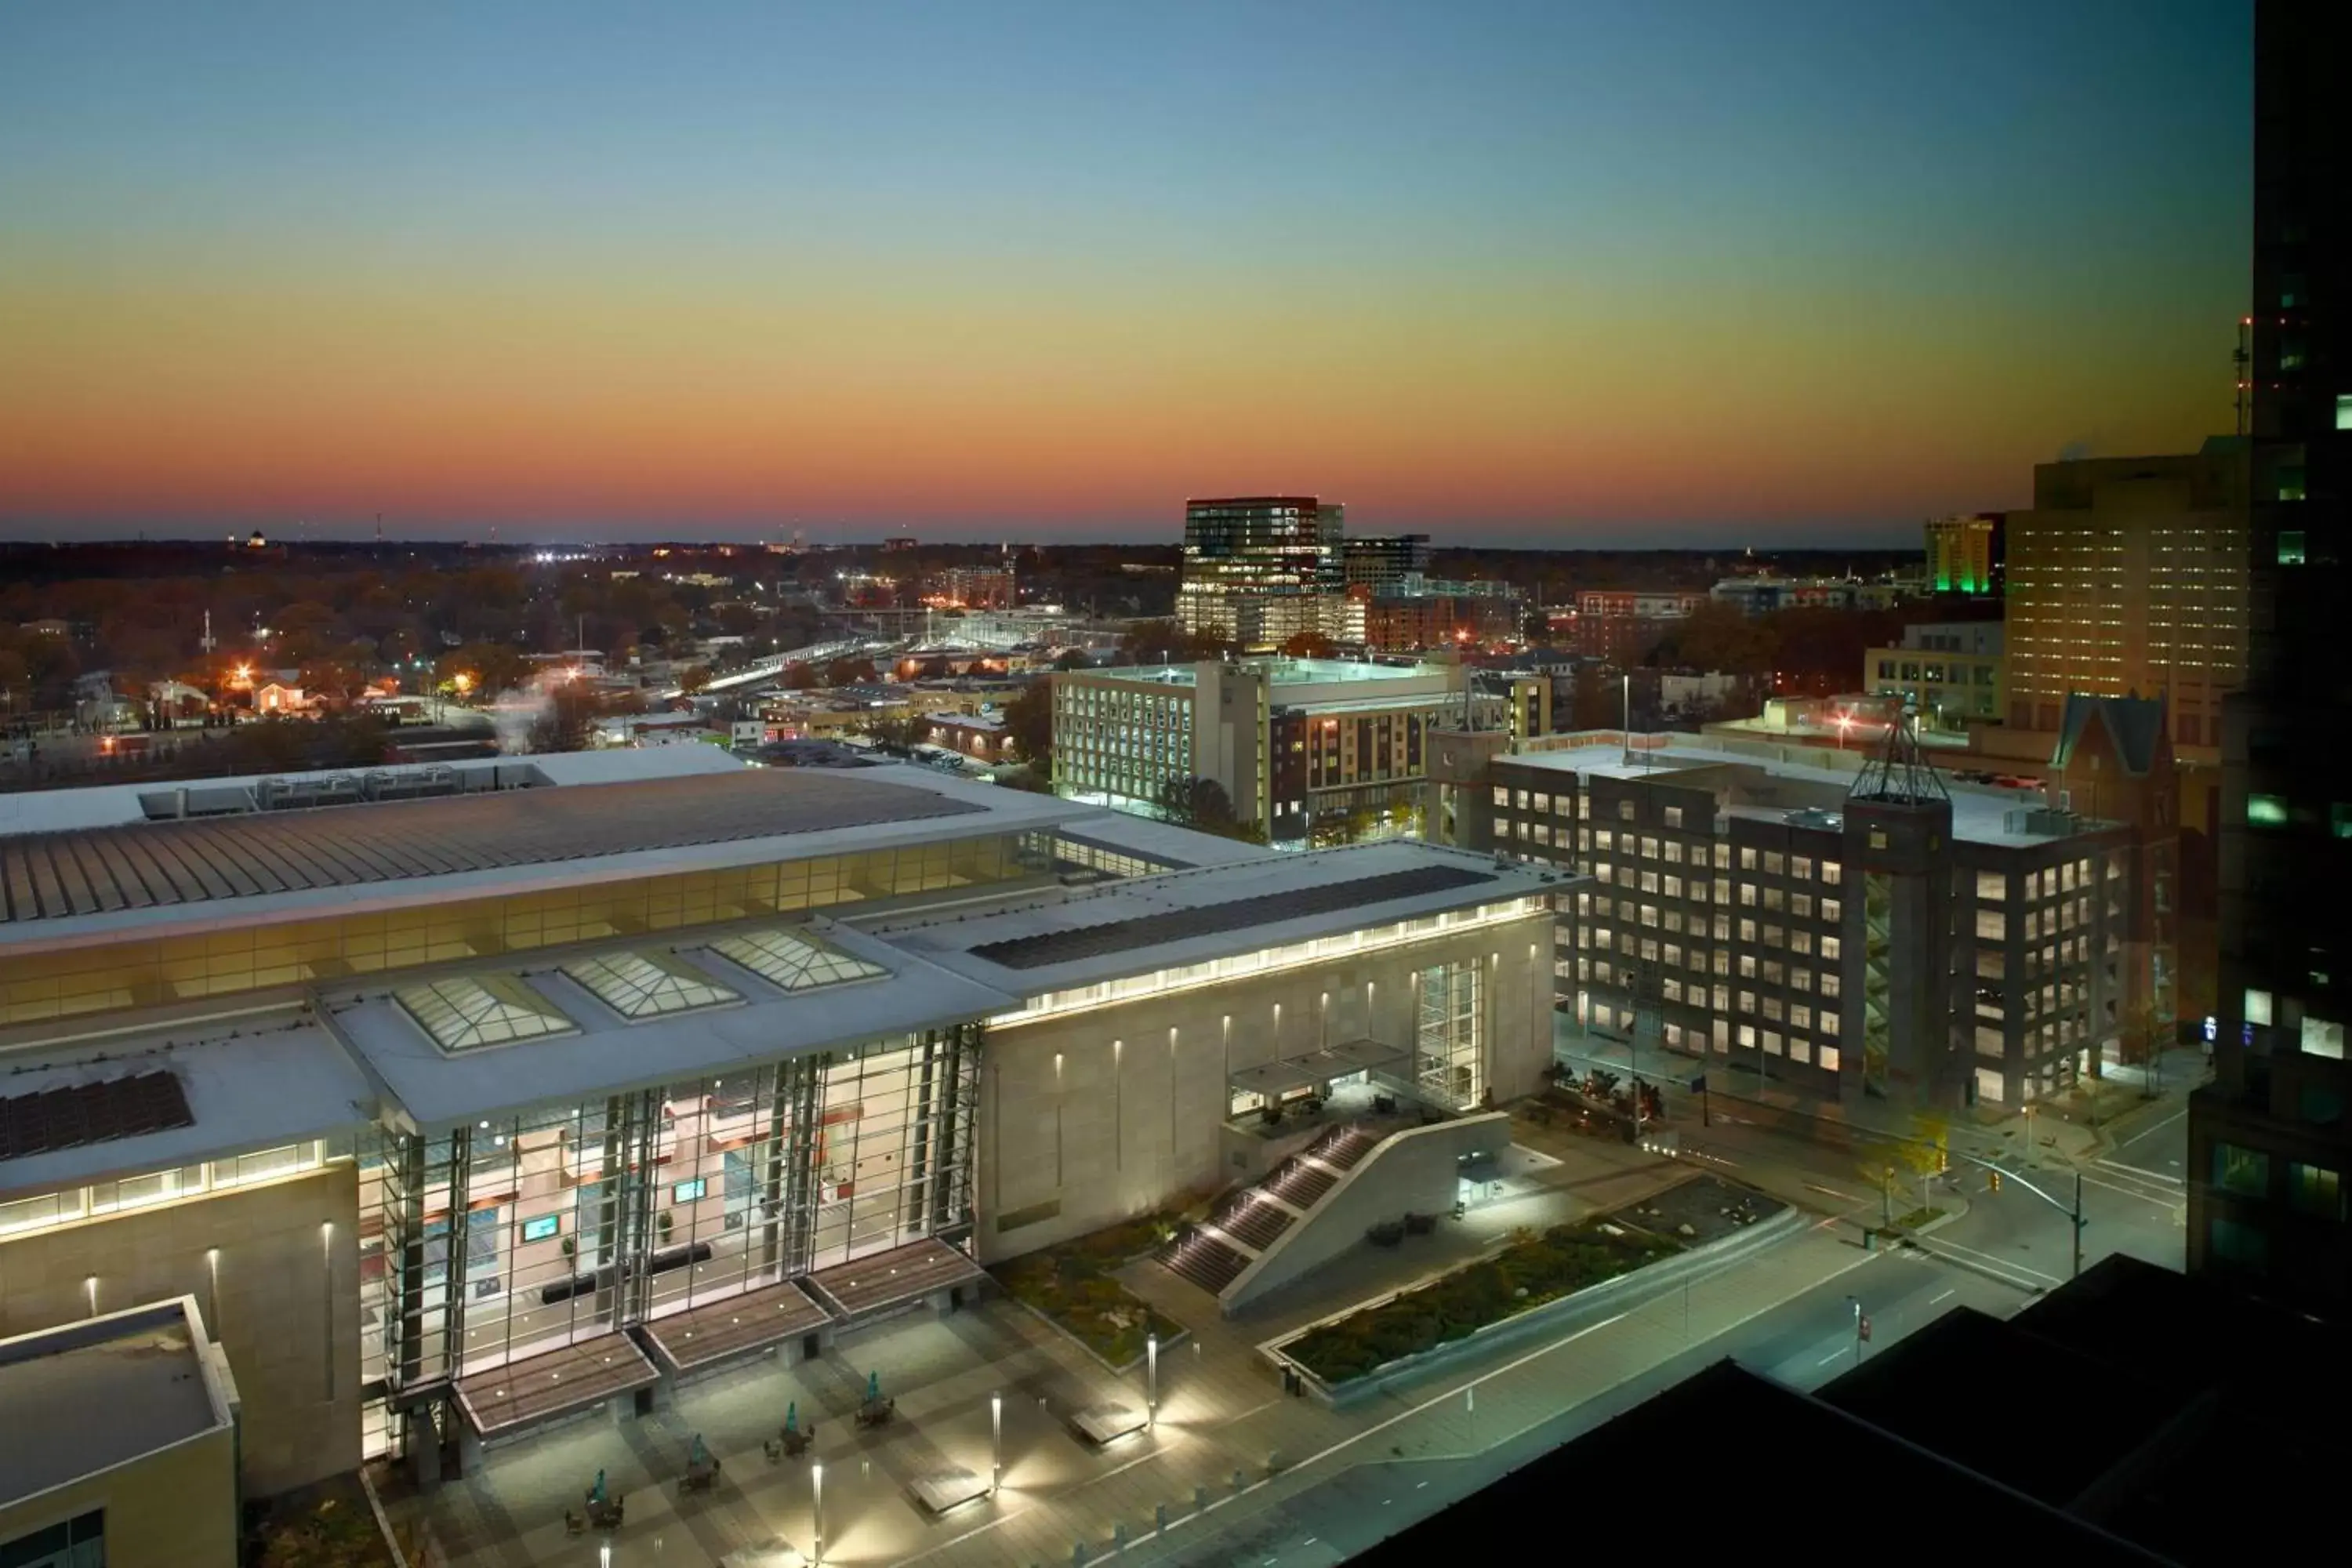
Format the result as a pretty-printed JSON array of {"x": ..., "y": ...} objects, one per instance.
[{"x": 1221, "y": 1413}]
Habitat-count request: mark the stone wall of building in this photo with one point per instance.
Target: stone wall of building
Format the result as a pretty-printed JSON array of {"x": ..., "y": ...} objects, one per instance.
[{"x": 286, "y": 1309}]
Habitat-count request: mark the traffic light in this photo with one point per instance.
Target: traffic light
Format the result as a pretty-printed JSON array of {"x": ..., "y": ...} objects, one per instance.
[
  {"x": 1993, "y": 1180},
  {"x": 1943, "y": 1160}
]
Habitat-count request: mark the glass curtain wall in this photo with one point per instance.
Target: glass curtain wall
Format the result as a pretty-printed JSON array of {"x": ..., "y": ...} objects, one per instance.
[
  {"x": 1877, "y": 958},
  {"x": 485, "y": 1244},
  {"x": 1449, "y": 1038}
]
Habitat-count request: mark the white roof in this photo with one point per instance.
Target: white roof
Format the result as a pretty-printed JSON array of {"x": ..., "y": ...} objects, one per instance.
[
  {"x": 986, "y": 811},
  {"x": 1979, "y": 813},
  {"x": 1239, "y": 891},
  {"x": 1152, "y": 839},
  {"x": 257, "y": 1083},
  {"x": 108, "y": 806},
  {"x": 608, "y": 1054}
]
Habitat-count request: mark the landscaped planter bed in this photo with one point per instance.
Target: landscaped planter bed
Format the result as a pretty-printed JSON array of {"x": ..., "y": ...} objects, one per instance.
[
  {"x": 1524, "y": 1275},
  {"x": 1074, "y": 1287}
]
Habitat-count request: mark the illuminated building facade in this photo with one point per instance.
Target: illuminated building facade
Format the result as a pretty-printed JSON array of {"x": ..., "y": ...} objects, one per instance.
[
  {"x": 1259, "y": 570},
  {"x": 1302, "y": 748},
  {"x": 1965, "y": 554},
  {"x": 462, "y": 1100},
  {"x": 1757, "y": 915},
  {"x": 2128, "y": 578}
]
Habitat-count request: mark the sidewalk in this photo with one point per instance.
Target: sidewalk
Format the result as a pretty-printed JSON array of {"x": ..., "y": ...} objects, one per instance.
[{"x": 2076, "y": 1128}]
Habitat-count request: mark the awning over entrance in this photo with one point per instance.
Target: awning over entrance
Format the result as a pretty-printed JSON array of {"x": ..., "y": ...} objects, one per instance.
[
  {"x": 752, "y": 1321},
  {"x": 524, "y": 1392},
  {"x": 1317, "y": 1068},
  {"x": 890, "y": 1278}
]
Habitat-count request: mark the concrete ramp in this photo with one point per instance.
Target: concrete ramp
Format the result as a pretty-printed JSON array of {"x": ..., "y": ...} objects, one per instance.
[{"x": 1337, "y": 1192}]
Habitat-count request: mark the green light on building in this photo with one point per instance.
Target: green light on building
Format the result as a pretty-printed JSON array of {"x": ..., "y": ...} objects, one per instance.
[{"x": 2266, "y": 811}]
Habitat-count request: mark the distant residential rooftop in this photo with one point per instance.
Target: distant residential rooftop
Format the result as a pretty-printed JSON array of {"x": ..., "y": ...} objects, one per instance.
[{"x": 87, "y": 1396}]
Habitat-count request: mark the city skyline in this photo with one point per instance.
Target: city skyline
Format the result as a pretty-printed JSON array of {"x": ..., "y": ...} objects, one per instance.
[{"x": 1517, "y": 276}]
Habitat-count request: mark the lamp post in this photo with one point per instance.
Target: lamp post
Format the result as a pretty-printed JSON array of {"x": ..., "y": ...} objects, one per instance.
[
  {"x": 1151, "y": 1380},
  {"x": 1855, "y": 1302},
  {"x": 816, "y": 1481},
  {"x": 996, "y": 1443}
]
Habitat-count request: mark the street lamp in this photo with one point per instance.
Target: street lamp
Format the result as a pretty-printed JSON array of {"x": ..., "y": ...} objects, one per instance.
[
  {"x": 816, "y": 1481},
  {"x": 1860, "y": 1327},
  {"x": 1151, "y": 1380},
  {"x": 996, "y": 1443}
]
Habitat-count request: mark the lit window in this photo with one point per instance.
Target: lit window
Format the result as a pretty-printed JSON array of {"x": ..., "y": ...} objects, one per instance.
[
  {"x": 2290, "y": 547},
  {"x": 1827, "y": 1058},
  {"x": 491, "y": 1010},
  {"x": 2245, "y": 1172},
  {"x": 2322, "y": 1038},
  {"x": 1674, "y": 817},
  {"x": 2343, "y": 411},
  {"x": 2258, "y": 1005},
  {"x": 795, "y": 959},
  {"x": 2315, "y": 1190},
  {"x": 1830, "y": 947}
]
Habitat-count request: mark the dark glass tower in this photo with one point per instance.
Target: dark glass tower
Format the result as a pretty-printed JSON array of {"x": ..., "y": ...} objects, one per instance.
[{"x": 2269, "y": 1141}]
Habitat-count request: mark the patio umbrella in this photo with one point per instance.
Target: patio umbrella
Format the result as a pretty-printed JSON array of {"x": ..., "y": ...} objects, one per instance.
[
  {"x": 596, "y": 1492},
  {"x": 695, "y": 1454},
  {"x": 792, "y": 1417},
  {"x": 873, "y": 1386}
]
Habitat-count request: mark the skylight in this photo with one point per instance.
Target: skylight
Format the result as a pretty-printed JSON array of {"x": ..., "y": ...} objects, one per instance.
[
  {"x": 488, "y": 1010},
  {"x": 796, "y": 959},
  {"x": 647, "y": 986}
]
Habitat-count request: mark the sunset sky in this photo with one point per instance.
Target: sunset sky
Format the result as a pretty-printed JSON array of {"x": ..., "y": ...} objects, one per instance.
[{"x": 1552, "y": 273}]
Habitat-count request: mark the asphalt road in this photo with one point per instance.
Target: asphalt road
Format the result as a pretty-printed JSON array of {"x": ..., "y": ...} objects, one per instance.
[
  {"x": 2007, "y": 1248},
  {"x": 1805, "y": 1342}
]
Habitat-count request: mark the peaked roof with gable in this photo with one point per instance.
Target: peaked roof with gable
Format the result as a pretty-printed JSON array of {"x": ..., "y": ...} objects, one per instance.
[{"x": 2136, "y": 725}]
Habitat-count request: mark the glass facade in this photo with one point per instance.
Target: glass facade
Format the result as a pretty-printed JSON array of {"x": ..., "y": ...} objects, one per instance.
[
  {"x": 486, "y": 1243},
  {"x": 1450, "y": 1030}
]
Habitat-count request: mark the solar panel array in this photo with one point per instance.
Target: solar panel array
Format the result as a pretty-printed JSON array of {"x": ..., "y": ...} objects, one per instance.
[
  {"x": 53, "y": 1119},
  {"x": 1208, "y": 919},
  {"x": 50, "y": 876}
]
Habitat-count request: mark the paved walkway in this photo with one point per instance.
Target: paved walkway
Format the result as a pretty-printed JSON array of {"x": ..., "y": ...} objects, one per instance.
[{"x": 1222, "y": 1414}]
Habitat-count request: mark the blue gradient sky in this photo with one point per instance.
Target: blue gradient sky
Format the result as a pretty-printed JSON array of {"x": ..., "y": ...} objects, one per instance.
[{"x": 1556, "y": 273}]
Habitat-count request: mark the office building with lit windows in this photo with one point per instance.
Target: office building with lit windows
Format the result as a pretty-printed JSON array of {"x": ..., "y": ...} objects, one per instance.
[
  {"x": 1952, "y": 674},
  {"x": 1302, "y": 747},
  {"x": 1259, "y": 570},
  {"x": 2127, "y": 578},
  {"x": 1836, "y": 934},
  {"x": 457, "y": 1101}
]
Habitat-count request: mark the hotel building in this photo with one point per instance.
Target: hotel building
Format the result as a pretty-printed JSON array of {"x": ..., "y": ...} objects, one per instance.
[
  {"x": 2128, "y": 578},
  {"x": 1836, "y": 933}
]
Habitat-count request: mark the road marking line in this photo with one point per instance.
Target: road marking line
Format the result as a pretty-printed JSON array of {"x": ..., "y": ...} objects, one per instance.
[
  {"x": 2142, "y": 1172},
  {"x": 1945, "y": 1296},
  {"x": 1833, "y": 1356},
  {"x": 1832, "y": 1191},
  {"x": 1936, "y": 1243}
]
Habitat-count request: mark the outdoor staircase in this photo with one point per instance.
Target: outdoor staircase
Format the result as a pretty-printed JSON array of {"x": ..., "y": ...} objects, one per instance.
[{"x": 1213, "y": 1254}]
